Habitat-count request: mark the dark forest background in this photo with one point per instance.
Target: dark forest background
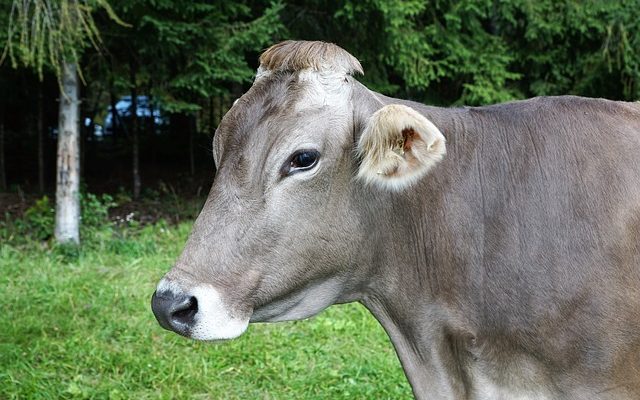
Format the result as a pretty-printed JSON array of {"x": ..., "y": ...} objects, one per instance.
[{"x": 185, "y": 62}]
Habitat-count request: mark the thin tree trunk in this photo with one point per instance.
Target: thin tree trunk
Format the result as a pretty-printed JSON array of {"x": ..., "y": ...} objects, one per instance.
[
  {"x": 192, "y": 129},
  {"x": 152, "y": 121},
  {"x": 88, "y": 132},
  {"x": 40, "y": 133},
  {"x": 114, "y": 115},
  {"x": 3, "y": 176},
  {"x": 212, "y": 124},
  {"x": 67, "y": 219},
  {"x": 135, "y": 150},
  {"x": 151, "y": 139},
  {"x": 83, "y": 145},
  {"x": 83, "y": 135}
]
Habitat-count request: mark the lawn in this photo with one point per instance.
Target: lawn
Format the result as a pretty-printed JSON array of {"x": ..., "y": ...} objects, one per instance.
[{"x": 77, "y": 324}]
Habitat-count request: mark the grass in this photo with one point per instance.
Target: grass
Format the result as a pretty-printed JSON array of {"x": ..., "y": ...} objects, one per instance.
[{"x": 77, "y": 324}]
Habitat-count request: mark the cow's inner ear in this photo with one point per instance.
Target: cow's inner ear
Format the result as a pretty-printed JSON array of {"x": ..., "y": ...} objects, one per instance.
[{"x": 398, "y": 147}]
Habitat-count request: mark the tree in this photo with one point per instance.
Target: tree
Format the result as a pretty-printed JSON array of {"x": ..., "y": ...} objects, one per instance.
[
  {"x": 47, "y": 33},
  {"x": 40, "y": 136},
  {"x": 4, "y": 18},
  {"x": 184, "y": 53},
  {"x": 480, "y": 51},
  {"x": 193, "y": 58},
  {"x": 3, "y": 176}
]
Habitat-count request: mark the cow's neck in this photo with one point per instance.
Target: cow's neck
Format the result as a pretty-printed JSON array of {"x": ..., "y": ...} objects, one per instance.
[
  {"x": 419, "y": 348},
  {"x": 409, "y": 294},
  {"x": 416, "y": 289}
]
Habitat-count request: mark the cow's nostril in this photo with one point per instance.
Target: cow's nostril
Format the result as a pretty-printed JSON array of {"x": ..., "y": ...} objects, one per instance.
[
  {"x": 175, "y": 312},
  {"x": 185, "y": 312}
]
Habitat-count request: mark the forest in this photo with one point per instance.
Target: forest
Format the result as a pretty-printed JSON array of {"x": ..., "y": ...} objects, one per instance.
[
  {"x": 108, "y": 109},
  {"x": 156, "y": 76}
]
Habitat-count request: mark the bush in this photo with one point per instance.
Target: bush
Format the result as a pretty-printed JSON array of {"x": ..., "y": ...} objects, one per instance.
[
  {"x": 37, "y": 222},
  {"x": 95, "y": 215}
]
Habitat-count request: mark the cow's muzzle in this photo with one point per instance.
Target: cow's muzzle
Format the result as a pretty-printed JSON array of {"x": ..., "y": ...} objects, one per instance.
[{"x": 174, "y": 312}]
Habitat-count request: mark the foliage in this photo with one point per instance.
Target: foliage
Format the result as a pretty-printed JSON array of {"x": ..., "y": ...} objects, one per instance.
[
  {"x": 438, "y": 51},
  {"x": 571, "y": 47},
  {"x": 45, "y": 33},
  {"x": 483, "y": 51},
  {"x": 95, "y": 214},
  {"x": 189, "y": 51},
  {"x": 36, "y": 224},
  {"x": 79, "y": 325},
  {"x": 443, "y": 52},
  {"x": 195, "y": 57}
]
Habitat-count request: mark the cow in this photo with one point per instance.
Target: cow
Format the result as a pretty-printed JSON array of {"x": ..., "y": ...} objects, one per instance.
[{"x": 498, "y": 246}]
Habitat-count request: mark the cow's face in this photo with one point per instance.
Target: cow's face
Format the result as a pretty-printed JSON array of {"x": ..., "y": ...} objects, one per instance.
[{"x": 280, "y": 236}]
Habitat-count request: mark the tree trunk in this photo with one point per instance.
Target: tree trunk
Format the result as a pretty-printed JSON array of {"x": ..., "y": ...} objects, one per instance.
[
  {"x": 40, "y": 133},
  {"x": 114, "y": 115},
  {"x": 152, "y": 152},
  {"x": 212, "y": 123},
  {"x": 152, "y": 121},
  {"x": 83, "y": 145},
  {"x": 67, "y": 219},
  {"x": 3, "y": 176},
  {"x": 192, "y": 129},
  {"x": 135, "y": 150},
  {"x": 88, "y": 132}
]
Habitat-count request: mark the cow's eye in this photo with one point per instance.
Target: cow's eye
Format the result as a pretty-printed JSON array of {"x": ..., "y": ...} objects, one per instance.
[{"x": 302, "y": 160}]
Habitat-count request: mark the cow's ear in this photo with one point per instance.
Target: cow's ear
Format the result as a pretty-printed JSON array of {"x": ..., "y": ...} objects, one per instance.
[{"x": 398, "y": 147}]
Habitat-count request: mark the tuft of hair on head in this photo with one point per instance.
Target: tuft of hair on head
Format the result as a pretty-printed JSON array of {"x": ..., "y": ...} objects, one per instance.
[{"x": 292, "y": 55}]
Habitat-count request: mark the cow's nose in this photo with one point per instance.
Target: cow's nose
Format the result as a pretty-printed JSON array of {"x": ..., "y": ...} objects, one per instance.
[{"x": 174, "y": 312}]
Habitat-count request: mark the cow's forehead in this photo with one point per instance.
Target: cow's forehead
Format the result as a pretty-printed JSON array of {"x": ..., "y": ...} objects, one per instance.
[
  {"x": 262, "y": 102},
  {"x": 294, "y": 78},
  {"x": 281, "y": 103}
]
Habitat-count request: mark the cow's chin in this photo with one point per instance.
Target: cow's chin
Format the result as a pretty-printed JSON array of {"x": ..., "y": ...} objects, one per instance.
[
  {"x": 302, "y": 303},
  {"x": 213, "y": 322}
]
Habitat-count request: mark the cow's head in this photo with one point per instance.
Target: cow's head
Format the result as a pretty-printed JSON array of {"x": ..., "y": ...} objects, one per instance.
[{"x": 283, "y": 232}]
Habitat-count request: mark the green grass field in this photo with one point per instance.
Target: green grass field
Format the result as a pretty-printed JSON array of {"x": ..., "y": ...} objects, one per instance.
[{"x": 77, "y": 324}]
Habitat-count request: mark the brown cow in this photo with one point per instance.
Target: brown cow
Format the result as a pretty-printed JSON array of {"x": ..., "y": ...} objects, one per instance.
[{"x": 507, "y": 268}]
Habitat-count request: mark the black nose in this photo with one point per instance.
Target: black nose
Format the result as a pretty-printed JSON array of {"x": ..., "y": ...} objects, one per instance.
[{"x": 174, "y": 312}]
